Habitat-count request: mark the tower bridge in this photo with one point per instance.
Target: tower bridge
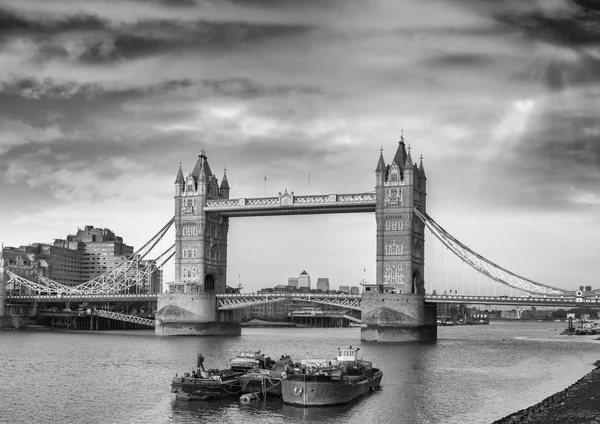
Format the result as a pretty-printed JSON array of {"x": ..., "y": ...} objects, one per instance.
[{"x": 397, "y": 309}]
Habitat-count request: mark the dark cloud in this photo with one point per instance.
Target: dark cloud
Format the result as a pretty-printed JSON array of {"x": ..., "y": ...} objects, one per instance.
[
  {"x": 587, "y": 5},
  {"x": 12, "y": 24},
  {"x": 141, "y": 39},
  {"x": 558, "y": 74},
  {"x": 558, "y": 157},
  {"x": 576, "y": 27},
  {"x": 460, "y": 60}
]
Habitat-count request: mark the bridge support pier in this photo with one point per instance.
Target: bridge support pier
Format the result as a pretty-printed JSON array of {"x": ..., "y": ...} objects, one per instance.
[
  {"x": 194, "y": 314},
  {"x": 2, "y": 297},
  {"x": 398, "y": 318}
]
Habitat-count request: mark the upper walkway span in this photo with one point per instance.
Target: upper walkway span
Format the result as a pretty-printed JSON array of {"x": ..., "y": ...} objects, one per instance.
[{"x": 288, "y": 204}]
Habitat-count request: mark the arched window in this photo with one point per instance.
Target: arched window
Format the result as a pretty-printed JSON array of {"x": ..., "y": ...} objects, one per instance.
[
  {"x": 184, "y": 231},
  {"x": 209, "y": 282}
]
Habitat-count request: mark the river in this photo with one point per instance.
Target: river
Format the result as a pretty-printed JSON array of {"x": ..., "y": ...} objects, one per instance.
[{"x": 471, "y": 374}]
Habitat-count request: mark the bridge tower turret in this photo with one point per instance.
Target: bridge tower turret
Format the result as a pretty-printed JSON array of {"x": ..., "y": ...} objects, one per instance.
[
  {"x": 398, "y": 311},
  {"x": 200, "y": 259}
]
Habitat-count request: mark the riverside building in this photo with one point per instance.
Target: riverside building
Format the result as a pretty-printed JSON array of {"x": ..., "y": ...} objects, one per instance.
[{"x": 78, "y": 258}]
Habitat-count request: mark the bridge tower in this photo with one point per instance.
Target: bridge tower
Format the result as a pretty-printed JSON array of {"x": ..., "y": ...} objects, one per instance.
[
  {"x": 200, "y": 259},
  {"x": 397, "y": 310}
]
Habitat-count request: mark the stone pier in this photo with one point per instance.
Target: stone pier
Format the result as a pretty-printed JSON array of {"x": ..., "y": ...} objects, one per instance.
[
  {"x": 194, "y": 314},
  {"x": 398, "y": 318}
]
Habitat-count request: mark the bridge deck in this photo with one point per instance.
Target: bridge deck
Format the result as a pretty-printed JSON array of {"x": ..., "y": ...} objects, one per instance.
[{"x": 241, "y": 300}]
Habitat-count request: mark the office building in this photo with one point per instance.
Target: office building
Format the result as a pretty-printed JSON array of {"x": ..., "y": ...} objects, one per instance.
[
  {"x": 77, "y": 259},
  {"x": 323, "y": 283},
  {"x": 304, "y": 280}
]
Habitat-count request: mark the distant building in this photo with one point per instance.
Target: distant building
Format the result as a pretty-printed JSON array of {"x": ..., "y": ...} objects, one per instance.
[
  {"x": 293, "y": 281},
  {"x": 345, "y": 289},
  {"x": 77, "y": 259},
  {"x": 304, "y": 280},
  {"x": 354, "y": 290},
  {"x": 323, "y": 283}
]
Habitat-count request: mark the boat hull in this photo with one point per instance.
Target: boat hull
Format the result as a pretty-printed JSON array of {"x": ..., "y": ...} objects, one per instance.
[
  {"x": 190, "y": 389},
  {"x": 261, "y": 383},
  {"x": 318, "y": 391}
]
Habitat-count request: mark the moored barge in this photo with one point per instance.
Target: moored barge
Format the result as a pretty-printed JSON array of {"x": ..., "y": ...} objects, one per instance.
[{"x": 322, "y": 382}]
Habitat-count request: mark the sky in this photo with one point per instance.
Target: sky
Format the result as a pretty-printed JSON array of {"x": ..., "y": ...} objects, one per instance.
[{"x": 101, "y": 99}]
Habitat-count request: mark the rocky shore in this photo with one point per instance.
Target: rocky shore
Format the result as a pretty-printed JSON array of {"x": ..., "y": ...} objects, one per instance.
[{"x": 577, "y": 404}]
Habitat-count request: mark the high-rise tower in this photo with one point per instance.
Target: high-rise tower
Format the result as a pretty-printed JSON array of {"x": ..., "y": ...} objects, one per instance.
[
  {"x": 397, "y": 311},
  {"x": 400, "y": 187},
  {"x": 200, "y": 238},
  {"x": 190, "y": 307}
]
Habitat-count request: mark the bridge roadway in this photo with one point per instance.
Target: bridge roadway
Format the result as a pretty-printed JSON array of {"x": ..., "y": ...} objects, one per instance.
[{"x": 349, "y": 301}]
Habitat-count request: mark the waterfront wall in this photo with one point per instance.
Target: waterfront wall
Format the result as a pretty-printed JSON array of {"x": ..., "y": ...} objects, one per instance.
[
  {"x": 15, "y": 322},
  {"x": 398, "y": 318},
  {"x": 181, "y": 314}
]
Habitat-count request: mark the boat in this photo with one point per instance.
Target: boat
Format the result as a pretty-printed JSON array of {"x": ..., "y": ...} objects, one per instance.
[
  {"x": 322, "y": 382},
  {"x": 267, "y": 382},
  {"x": 204, "y": 384}
]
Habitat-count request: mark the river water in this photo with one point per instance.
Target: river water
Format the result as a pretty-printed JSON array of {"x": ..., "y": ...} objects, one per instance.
[{"x": 471, "y": 374}]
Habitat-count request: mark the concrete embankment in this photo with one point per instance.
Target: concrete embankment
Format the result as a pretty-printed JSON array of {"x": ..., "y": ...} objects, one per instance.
[{"x": 577, "y": 404}]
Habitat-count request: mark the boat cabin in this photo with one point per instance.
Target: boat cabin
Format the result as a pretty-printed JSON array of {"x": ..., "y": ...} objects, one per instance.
[{"x": 250, "y": 359}]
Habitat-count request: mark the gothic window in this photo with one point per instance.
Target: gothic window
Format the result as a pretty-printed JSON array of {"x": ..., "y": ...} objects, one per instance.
[
  {"x": 194, "y": 253},
  {"x": 184, "y": 231},
  {"x": 184, "y": 273},
  {"x": 393, "y": 249},
  {"x": 394, "y": 225},
  {"x": 185, "y": 253},
  {"x": 394, "y": 176},
  {"x": 400, "y": 225},
  {"x": 189, "y": 274},
  {"x": 387, "y": 225},
  {"x": 194, "y": 272},
  {"x": 393, "y": 274},
  {"x": 195, "y": 231}
]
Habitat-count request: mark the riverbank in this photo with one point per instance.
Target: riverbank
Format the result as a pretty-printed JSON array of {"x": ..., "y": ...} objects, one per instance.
[{"x": 577, "y": 404}]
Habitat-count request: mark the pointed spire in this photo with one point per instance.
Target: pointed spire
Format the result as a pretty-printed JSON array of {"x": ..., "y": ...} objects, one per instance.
[
  {"x": 421, "y": 168},
  {"x": 408, "y": 163},
  {"x": 202, "y": 159},
  {"x": 381, "y": 163},
  {"x": 202, "y": 171},
  {"x": 224, "y": 182},
  {"x": 179, "y": 180},
  {"x": 400, "y": 156}
]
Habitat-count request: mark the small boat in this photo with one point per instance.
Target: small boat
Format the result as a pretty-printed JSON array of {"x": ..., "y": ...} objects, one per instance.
[
  {"x": 204, "y": 384},
  {"x": 322, "y": 382}
]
